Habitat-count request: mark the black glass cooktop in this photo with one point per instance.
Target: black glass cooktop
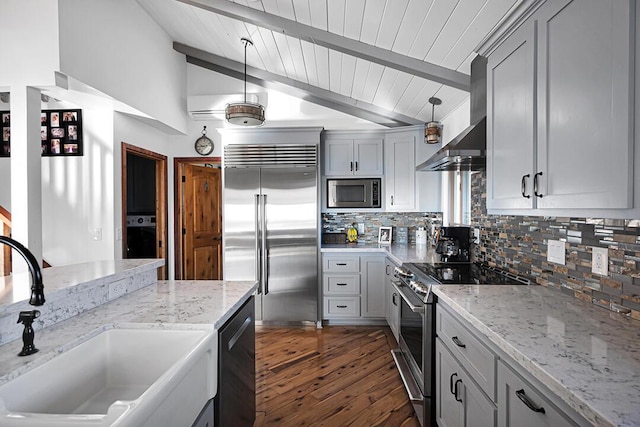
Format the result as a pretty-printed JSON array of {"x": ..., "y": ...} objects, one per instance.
[{"x": 466, "y": 273}]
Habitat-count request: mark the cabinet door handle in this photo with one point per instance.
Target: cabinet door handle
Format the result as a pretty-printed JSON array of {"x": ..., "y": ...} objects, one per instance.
[
  {"x": 356, "y": 166},
  {"x": 342, "y": 264},
  {"x": 523, "y": 397},
  {"x": 351, "y": 166},
  {"x": 386, "y": 269},
  {"x": 393, "y": 299},
  {"x": 391, "y": 200},
  {"x": 455, "y": 374},
  {"x": 459, "y": 343},
  {"x": 523, "y": 186},
  {"x": 341, "y": 284},
  {"x": 455, "y": 389},
  {"x": 535, "y": 184},
  {"x": 341, "y": 306}
]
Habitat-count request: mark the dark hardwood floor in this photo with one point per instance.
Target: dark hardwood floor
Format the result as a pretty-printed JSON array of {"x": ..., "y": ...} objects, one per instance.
[{"x": 335, "y": 376}]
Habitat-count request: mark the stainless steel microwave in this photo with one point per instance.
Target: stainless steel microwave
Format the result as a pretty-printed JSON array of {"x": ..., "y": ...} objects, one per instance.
[{"x": 361, "y": 193}]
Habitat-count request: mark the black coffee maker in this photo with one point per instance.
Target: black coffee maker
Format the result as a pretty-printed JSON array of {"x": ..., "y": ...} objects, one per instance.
[{"x": 454, "y": 243}]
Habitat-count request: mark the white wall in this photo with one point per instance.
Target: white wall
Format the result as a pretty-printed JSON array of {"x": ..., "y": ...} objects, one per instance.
[
  {"x": 116, "y": 48},
  {"x": 5, "y": 173},
  {"x": 78, "y": 195},
  {"x": 29, "y": 34}
]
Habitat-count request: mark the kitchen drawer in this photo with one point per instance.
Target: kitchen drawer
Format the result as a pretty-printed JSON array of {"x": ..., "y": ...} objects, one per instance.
[
  {"x": 342, "y": 307},
  {"x": 476, "y": 358},
  {"x": 341, "y": 264},
  {"x": 515, "y": 394},
  {"x": 341, "y": 284}
]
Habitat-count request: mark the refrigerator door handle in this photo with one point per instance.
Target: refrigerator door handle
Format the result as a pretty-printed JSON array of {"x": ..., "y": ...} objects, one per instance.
[
  {"x": 258, "y": 229},
  {"x": 264, "y": 254}
]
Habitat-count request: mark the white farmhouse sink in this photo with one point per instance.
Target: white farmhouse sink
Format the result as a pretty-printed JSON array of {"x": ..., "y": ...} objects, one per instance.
[{"x": 120, "y": 377}]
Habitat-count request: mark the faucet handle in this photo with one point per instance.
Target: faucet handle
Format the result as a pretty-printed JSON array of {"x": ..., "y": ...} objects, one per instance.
[{"x": 28, "y": 316}]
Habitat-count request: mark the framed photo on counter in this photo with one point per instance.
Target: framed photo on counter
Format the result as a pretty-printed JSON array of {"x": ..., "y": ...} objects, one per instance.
[
  {"x": 384, "y": 236},
  {"x": 60, "y": 133}
]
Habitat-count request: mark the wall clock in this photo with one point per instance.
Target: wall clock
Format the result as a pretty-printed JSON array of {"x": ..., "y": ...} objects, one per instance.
[{"x": 204, "y": 145}]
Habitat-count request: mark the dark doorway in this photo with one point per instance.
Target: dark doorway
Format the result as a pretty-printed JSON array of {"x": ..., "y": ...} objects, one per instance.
[{"x": 144, "y": 206}]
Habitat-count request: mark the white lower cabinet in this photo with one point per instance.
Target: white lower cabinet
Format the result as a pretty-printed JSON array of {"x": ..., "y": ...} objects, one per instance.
[
  {"x": 459, "y": 401},
  {"x": 353, "y": 286},
  {"x": 523, "y": 405}
]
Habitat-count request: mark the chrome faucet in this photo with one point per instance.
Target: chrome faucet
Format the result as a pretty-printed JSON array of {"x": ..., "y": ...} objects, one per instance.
[{"x": 37, "y": 287}]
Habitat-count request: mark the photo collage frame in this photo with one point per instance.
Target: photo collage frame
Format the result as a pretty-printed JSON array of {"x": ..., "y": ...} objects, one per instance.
[{"x": 60, "y": 133}]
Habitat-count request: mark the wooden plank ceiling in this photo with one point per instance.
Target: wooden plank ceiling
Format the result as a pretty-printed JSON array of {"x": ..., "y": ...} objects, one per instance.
[{"x": 380, "y": 57}]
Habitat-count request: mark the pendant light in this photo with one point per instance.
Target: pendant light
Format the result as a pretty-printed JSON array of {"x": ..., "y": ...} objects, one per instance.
[
  {"x": 244, "y": 113},
  {"x": 433, "y": 129}
]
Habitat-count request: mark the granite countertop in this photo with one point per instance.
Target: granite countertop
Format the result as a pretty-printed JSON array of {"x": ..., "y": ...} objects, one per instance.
[
  {"x": 398, "y": 253},
  {"x": 588, "y": 356},
  {"x": 16, "y": 288},
  {"x": 183, "y": 303}
]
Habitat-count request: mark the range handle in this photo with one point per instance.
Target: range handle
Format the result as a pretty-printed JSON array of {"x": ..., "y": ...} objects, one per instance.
[{"x": 415, "y": 308}]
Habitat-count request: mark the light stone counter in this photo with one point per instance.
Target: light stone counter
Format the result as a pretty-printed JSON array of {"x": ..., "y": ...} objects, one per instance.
[
  {"x": 398, "y": 253},
  {"x": 182, "y": 303},
  {"x": 587, "y": 356},
  {"x": 70, "y": 290}
]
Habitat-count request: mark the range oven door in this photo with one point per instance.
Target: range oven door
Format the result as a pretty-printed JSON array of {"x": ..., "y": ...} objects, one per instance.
[{"x": 416, "y": 341}]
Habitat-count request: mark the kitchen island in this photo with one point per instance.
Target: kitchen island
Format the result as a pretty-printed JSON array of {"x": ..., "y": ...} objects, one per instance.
[{"x": 161, "y": 305}]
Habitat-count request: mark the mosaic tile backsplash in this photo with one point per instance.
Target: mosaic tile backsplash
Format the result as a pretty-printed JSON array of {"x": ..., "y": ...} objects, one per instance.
[
  {"x": 404, "y": 224},
  {"x": 519, "y": 244}
]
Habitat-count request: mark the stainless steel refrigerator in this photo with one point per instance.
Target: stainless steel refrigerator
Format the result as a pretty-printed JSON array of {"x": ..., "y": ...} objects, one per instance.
[{"x": 270, "y": 214}]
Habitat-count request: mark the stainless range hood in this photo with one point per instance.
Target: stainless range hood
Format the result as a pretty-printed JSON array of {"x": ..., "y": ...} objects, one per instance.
[{"x": 467, "y": 150}]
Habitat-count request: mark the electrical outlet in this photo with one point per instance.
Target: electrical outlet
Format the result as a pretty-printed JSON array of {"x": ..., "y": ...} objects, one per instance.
[
  {"x": 600, "y": 261},
  {"x": 476, "y": 235},
  {"x": 118, "y": 233},
  {"x": 361, "y": 228},
  {"x": 556, "y": 251},
  {"x": 97, "y": 233},
  {"x": 117, "y": 289}
]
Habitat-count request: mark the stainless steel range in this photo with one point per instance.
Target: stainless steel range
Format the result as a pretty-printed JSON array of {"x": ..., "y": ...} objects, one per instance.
[{"x": 415, "y": 357}]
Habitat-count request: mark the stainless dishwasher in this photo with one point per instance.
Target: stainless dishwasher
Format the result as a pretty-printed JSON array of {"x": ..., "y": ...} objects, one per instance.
[{"x": 235, "y": 402}]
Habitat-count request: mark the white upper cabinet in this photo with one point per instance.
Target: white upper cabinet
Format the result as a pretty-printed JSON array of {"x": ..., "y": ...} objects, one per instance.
[
  {"x": 353, "y": 157},
  {"x": 399, "y": 173},
  {"x": 560, "y": 109},
  {"x": 510, "y": 114},
  {"x": 585, "y": 104}
]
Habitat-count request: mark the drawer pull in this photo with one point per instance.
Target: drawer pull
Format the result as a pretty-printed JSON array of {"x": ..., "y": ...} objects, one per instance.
[
  {"x": 341, "y": 306},
  {"x": 535, "y": 184},
  {"x": 455, "y": 374},
  {"x": 455, "y": 389},
  {"x": 459, "y": 343},
  {"x": 341, "y": 263},
  {"x": 523, "y": 186},
  {"x": 522, "y": 396},
  {"x": 341, "y": 284}
]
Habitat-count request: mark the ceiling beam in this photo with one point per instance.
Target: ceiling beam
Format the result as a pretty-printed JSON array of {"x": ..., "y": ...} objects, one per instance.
[
  {"x": 387, "y": 58},
  {"x": 296, "y": 88}
]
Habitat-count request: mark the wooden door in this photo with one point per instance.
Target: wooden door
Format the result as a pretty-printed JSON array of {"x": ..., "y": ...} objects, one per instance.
[{"x": 202, "y": 225}]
